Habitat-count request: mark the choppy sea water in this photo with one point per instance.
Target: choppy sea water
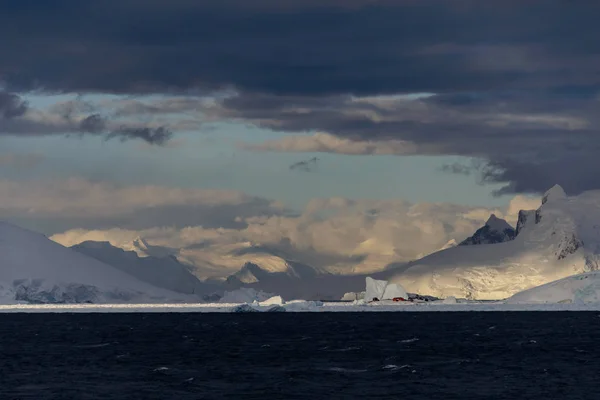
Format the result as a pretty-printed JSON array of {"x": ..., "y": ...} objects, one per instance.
[{"x": 531, "y": 355}]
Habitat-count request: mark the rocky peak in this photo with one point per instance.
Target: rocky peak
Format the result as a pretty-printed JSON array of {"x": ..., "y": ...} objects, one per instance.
[
  {"x": 497, "y": 224},
  {"x": 495, "y": 230},
  {"x": 556, "y": 192},
  {"x": 567, "y": 246}
]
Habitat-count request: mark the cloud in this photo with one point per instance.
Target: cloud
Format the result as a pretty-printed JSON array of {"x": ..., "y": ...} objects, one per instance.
[
  {"x": 94, "y": 123},
  {"x": 56, "y": 205},
  {"x": 306, "y": 165},
  {"x": 20, "y": 161},
  {"x": 298, "y": 47},
  {"x": 327, "y": 143},
  {"x": 337, "y": 234},
  {"x": 71, "y": 117},
  {"x": 11, "y": 105},
  {"x": 522, "y": 140},
  {"x": 520, "y": 202},
  {"x": 157, "y": 136},
  {"x": 525, "y": 99},
  {"x": 457, "y": 168}
]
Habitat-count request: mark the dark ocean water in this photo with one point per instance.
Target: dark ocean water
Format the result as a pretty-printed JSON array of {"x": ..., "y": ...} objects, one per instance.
[{"x": 300, "y": 356}]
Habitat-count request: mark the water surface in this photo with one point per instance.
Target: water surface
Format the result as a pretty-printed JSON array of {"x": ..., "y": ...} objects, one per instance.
[{"x": 533, "y": 355}]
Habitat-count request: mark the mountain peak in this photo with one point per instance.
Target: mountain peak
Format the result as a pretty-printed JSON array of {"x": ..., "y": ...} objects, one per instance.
[
  {"x": 141, "y": 243},
  {"x": 556, "y": 192},
  {"x": 495, "y": 230},
  {"x": 497, "y": 224}
]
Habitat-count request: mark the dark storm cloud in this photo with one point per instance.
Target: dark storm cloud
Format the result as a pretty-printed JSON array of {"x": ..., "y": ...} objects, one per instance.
[
  {"x": 97, "y": 124},
  {"x": 94, "y": 123},
  {"x": 517, "y": 81},
  {"x": 314, "y": 47},
  {"x": 14, "y": 120},
  {"x": 11, "y": 105},
  {"x": 531, "y": 140}
]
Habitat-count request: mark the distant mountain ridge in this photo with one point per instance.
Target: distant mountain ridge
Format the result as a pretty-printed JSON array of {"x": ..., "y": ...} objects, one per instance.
[{"x": 165, "y": 272}]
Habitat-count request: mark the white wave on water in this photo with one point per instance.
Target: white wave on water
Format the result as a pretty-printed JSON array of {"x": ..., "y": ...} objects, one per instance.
[{"x": 409, "y": 340}]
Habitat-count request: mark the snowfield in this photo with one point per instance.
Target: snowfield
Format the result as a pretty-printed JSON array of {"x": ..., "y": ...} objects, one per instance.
[{"x": 35, "y": 269}]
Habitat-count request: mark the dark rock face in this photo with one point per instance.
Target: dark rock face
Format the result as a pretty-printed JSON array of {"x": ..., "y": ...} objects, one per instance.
[
  {"x": 524, "y": 216},
  {"x": 496, "y": 230},
  {"x": 568, "y": 246},
  {"x": 486, "y": 235},
  {"x": 71, "y": 294}
]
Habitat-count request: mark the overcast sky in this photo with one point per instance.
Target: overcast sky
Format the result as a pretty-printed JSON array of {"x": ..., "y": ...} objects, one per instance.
[{"x": 270, "y": 104}]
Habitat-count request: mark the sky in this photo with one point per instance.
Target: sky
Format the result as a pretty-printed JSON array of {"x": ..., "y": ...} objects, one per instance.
[{"x": 215, "y": 113}]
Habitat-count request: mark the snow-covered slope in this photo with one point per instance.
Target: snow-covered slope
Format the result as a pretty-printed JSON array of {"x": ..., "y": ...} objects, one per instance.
[
  {"x": 559, "y": 239},
  {"x": 495, "y": 230},
  {"x": 296, "y": 281},
  {"x": 164, "y": 272},
  {"x": 36, "y": 269},
  {"x": 252, "y": 273},
  {"x": 581, "y": 288}
]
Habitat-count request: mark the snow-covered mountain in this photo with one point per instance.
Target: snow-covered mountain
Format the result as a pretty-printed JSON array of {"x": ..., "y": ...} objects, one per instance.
[
  {"x": 36, "y": 269},
  {"x": 559, "y": 239},
  {"x": 252, "y": 273},
  {"x": 296, "y": 281},
  {"x": 165, "y": 272},
  {"x": 495, "y": 230}
]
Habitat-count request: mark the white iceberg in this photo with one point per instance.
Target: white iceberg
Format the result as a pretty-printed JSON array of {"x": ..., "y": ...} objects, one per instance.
[
  {"x": 275, "y": 300},
  {"x": 394, "y": 291},
  {"x": 382, "y": 290}
]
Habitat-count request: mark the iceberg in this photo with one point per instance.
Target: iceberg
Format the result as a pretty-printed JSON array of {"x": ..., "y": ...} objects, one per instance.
[
  {"x": 375, "y": 289},
  {"x": 382, "y": 290},
  {"x": 275, "y": 300},
  {"x": 394, "y": 291}
]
